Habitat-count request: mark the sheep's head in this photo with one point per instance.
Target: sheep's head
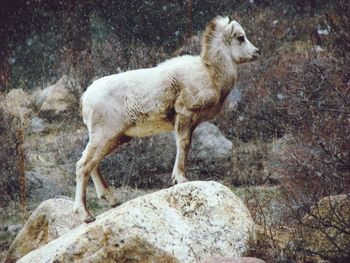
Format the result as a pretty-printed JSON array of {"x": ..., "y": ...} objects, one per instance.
[{"x": 228, "y": 38}]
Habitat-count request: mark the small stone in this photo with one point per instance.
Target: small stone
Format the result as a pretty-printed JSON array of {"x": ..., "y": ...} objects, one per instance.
[
  {"x": 14, "y": 229},
  {"x": 37, "y": 124}
]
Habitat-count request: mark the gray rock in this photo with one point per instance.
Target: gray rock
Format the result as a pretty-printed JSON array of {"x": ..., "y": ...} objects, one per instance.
[
  {"x": 209, "y": 144},
  {"x": 40, "y": 187},
  {"x": 188, "y": 222},
  {"x": 234, "y": 260},
  {"x": 56, "y": 101},
  {"x": 50, "y": 220},
  {"x": 211, "y": 153},
  {"x": 37, "y": 124},
  {"x": 14, "y": 229}
]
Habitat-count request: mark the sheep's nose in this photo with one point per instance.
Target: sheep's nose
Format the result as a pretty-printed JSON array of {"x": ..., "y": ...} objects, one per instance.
[{"x": 258, "y": 51}]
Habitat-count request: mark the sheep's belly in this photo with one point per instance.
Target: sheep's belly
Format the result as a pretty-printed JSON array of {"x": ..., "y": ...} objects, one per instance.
[{"x": 148, "y": 129}]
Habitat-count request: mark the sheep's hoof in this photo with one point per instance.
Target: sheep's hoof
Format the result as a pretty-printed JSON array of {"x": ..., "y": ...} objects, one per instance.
[
  {"x": 111, "y": 200},
  {"x": 89, "y": 219},
  {"x": 179, "y": 180},
  {"x": 117, "y": 203},
  {"x": 84, "y": 215}
]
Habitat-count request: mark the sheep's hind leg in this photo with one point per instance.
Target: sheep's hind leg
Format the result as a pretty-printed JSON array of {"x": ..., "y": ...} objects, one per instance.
[
  {"x": 102, "y": 189},
  {"x": 92, "y": 155},
  {"x": 81, "y": 185}
]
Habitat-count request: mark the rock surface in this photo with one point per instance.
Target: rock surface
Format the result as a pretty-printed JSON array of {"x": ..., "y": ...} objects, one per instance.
[
  {"x": 234, "y": 260},
  {"x": 55, "y": 101},
  {"x": 49, "y": 221},
  {"x": 188, "y": 222}
]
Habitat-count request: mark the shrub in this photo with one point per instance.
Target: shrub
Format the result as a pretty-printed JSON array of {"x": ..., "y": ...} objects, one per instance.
[{"x": 8, "y": 158}]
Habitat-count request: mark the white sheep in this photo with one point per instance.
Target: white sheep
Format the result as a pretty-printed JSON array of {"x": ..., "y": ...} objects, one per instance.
[{"x": 175, "y": 96}]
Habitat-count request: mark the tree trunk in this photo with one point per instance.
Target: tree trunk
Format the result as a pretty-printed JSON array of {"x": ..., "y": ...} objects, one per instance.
[
  {"x": 5, "y": 69},
  {"x": 189, "y": 19},
  {"x": 77, "y": 43},
  {"x": 21, "y": 172}
]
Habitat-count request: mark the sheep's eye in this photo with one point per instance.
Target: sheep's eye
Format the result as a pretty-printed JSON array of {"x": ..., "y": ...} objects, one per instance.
[{"x": 240, "y": 39}]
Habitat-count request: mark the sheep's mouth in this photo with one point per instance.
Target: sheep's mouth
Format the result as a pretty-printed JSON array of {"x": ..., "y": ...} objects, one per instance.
[{"x": 246, "y": 60}]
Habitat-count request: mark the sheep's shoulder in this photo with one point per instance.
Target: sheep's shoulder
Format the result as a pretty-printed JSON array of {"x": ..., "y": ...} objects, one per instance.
[{"x": 196, "y": 99}]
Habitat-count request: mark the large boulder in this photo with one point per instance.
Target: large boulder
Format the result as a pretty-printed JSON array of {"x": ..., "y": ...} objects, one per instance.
[
  {"x": 148, "y": 162},
  {"x": 234, "y": 260},
  {"x": 57, "y": 100},
  {"x": 189, "y": 222},
  {"x": 325, "y": 229},
  {"x": 50, "y": 220}
]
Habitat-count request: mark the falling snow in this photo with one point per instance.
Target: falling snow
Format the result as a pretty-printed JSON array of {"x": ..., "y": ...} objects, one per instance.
[{"x": 287, "y": 116}]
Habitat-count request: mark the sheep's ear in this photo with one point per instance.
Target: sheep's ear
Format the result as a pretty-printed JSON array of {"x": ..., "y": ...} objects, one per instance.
[
  {"x": 221, "y": 22},
  {"x": 229, "y": 33}
]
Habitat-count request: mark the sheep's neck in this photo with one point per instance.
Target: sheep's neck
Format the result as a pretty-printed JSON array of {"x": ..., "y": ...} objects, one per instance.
[{"x": 223, "y": 74}]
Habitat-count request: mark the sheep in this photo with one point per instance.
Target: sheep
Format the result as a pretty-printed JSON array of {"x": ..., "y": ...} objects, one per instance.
[{"x": 176, "y": 96}]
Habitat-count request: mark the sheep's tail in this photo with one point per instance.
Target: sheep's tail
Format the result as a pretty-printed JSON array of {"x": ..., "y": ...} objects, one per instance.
[{"x": 82, "y": 109}]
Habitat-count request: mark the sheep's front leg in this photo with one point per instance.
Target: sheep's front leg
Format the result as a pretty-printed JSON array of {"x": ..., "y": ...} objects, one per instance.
[{"x": 183, "y": 134}]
